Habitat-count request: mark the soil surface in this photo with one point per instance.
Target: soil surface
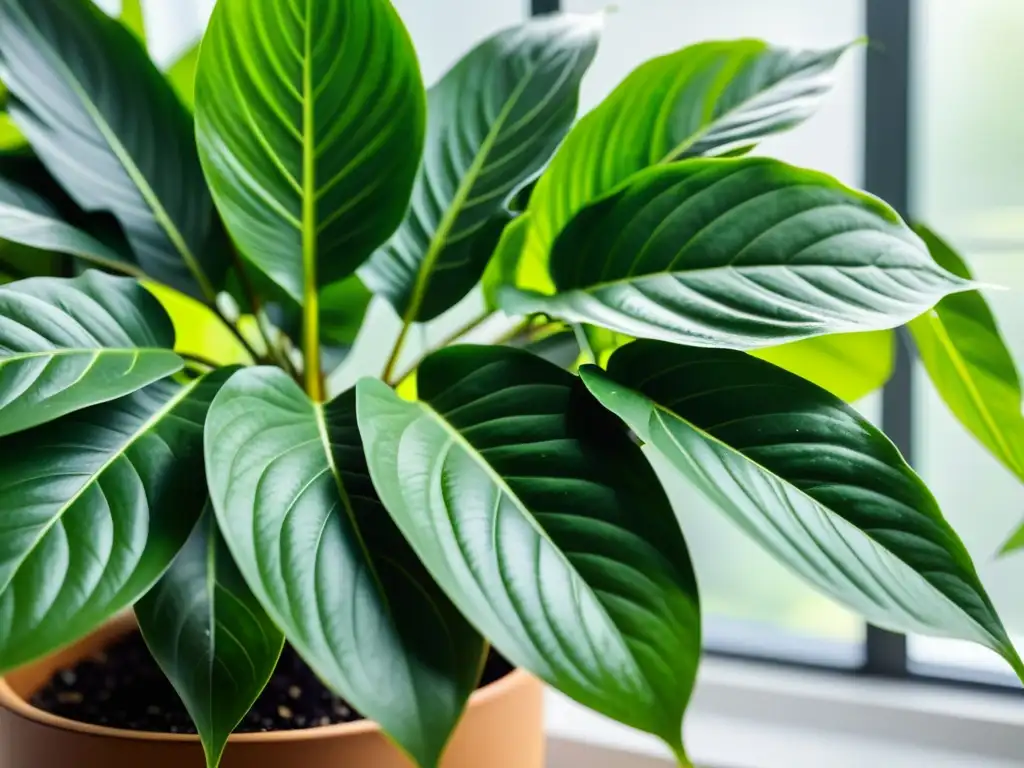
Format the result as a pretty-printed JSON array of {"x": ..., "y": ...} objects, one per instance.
[{"x": 124, "y": 688}]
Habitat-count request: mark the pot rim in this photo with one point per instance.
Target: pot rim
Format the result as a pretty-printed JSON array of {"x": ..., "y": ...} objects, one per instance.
[{"x": 17, "y": 705}]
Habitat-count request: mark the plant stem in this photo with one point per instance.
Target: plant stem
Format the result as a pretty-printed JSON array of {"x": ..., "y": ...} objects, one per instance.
[
  {"x": 389, "y": 367},
  {"x": 584, "y": 342},
  {"x": 198, "y": 359},
  {"x": 256, "y": 356},
  {"x": 451, "y": 338}
]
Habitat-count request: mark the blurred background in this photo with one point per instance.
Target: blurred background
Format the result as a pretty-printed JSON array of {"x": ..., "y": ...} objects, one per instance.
[{"x": 960, "y": 169}]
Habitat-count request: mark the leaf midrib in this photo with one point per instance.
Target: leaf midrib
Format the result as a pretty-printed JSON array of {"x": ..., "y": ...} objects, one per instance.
[
  {"x": 935, "y": 322},
  {"x": 109, "y": 261},
  {"x": 480, "y": 160},
  {"x": 98, "y": 351},
  {"x": 127, "y": 162},
  {"x": 159, "y": 415},
  {"x": 617, "y": 282},
  {"x": 660, "y": 409},
  {"x": 371, "y": 566}
]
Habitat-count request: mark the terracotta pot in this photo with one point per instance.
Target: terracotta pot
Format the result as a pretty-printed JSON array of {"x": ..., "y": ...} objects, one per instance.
[{"x": 503, "y": 728}]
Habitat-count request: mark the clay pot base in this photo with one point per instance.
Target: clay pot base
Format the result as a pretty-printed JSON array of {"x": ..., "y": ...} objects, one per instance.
[
  {"x": 502, "y": 728},
  {"x": 122, "y": 687}
]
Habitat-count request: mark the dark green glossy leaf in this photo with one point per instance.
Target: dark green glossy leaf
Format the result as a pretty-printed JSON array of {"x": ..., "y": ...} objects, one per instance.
[
  {"x": 94, "y": 509},
  {"x": 744, "y": 254},
  {"x": 1015, "y": 543},
  {"x": 702, "y": 100},
  {"x": 210, "y": 636},
  {"x": 810, "y": 480},
  {"x": 27, "y": 219},
  {"x": 82, "y": 81},
  {"x": 969, "y": 364},
  {"x": 292, "y": 494},
  {"x": 68, "y": 344},
  {"x": 310, "y": 136},
  {"x": 850, "y": 365},
  {"x": 493, "y": 122},
  {"x": 544, "y": 523}
]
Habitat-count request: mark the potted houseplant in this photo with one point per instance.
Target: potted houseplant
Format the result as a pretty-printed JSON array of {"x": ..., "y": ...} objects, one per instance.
[{"x": 475, "y": 496}]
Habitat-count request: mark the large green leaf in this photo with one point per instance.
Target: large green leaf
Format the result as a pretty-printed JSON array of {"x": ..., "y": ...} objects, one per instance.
[
  {"x": 969, "y": 364},
  {"x": 27, "y": 219},
  {"x": 182, "y": 75},
  {"x": 210, "y": 636},
  {"x": 809, "y": 479},
  {"x": 850, "y": 365},
  {"x": 82, "y": 81},
  {"x": 493, "y": 122},
  {"x": 544, "y": 523},
  {"x": 701, "y": 100},
  {"x": 743, "y": 253},
  {"x": 310, "y": 134},
  {"x": 68, "y": 344},
  {"x": 93, "y": 509},
  {"x": 292, "y": 494}
]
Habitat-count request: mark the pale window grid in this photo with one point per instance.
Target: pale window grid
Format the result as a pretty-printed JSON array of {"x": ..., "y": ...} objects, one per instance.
[{"x": 967, "y": 153}]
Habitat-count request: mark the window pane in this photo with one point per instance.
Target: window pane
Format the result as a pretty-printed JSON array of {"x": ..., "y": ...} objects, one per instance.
[
  {"x": 968, "y": 153},
  {"x": 745, "y": 592}
]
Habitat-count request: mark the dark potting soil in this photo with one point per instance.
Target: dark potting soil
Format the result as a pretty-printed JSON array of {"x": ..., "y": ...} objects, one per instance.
[{"x": 123, "y": 687}]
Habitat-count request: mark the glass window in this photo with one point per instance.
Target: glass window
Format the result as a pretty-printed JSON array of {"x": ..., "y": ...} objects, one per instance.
[{"x": 967, "y": 153}]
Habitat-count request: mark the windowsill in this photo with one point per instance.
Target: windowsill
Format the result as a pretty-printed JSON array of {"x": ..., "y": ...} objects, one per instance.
[{"x": 750, "y": 715}]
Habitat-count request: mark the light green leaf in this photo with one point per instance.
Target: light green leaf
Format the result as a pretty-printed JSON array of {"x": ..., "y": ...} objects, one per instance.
[
  {"x": 82, "y": 81},
  {"x": 810, "y": 480},
  {"x": 970, "y": 365},
  {"x": 182, "y": 75},
  {"x": 10, "y": 137},
  {"x": 744, "y": 253},
  {"x": 27, "y": 219},
  {"x": 292, "y": 494},
  {"x": 95, "y": 507},
  {"x": 1015, "y": 543},
  {"x": 69, "y": 344},
  {"x": 504, "y": 263},
  {"x": 210, "y": 636},
  {"x": 851, "y": 365},
  {"x": 133, "y": 18},
  {"x": 545, "y": 525},
  {"x": 705, "y": 99},
  {"x": 310, "y": 136},
  {"x": 493, "y": 122}
]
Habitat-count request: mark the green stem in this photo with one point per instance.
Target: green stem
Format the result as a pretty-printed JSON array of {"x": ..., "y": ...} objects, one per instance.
[
  {"x": 198, "y": 359},
  {"x": 451, "y": 338},
  {"x": 396, "y": 351},
  {"x": 584, "y": 342},
  {"x": 256, "y": 356},
  {"x": 311, "y": 295}
]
